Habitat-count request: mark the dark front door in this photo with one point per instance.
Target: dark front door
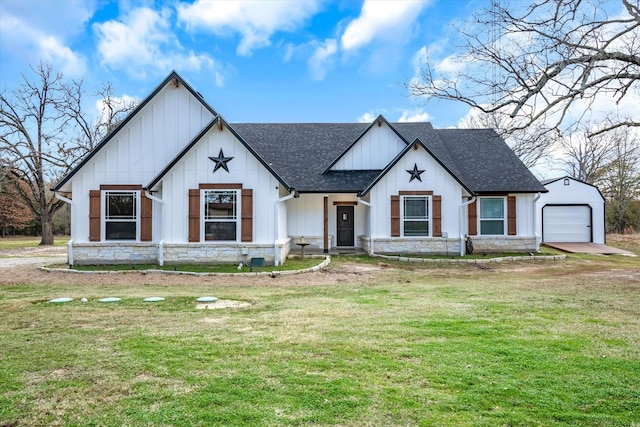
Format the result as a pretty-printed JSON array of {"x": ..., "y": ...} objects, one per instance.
[{"x": 345, "y": 225}]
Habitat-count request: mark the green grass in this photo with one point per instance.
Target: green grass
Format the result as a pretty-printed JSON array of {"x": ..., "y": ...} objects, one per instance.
[
  {"x": 290, "y": 264},
  {"x": 14, "y": 242},
  {"x": 520, "y": 344}
]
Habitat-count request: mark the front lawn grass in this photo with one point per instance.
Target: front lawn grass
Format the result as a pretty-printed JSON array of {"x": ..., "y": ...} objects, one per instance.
[
  {"x": 290, "y": 264},
  {"x": 551, "y": 346},
  {"x": 15, "y": 242}
]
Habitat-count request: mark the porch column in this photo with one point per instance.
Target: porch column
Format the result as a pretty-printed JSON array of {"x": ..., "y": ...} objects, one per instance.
[{"x": 326, "y": 224}]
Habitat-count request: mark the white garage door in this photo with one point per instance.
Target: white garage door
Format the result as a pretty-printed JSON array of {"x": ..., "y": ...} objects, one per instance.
[{"x": 566, "y": 224}]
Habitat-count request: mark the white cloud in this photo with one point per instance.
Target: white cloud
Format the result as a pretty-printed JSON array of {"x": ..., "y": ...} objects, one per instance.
[
  {"x": 321, "y": 59},
  {"x": 117, "y": 102},
  {"x": 414, "y": 115},
  {"x": 22, "y": 34},
  {"x": 381, "y": 19},
  {"x": 367, "y": 117},
  {"x": 256, "y": 21},
  {"x": 143, "y": 39}
]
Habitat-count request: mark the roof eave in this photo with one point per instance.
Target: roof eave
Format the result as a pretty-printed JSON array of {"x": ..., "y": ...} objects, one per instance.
[{"x": 400, "y": 155}]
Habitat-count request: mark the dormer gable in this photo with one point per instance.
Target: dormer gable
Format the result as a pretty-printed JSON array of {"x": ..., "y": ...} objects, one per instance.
[{"x": 372, "y": 150}]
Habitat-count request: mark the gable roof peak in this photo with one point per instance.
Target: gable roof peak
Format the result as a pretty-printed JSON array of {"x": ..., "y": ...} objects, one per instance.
[{"x": 172, "y": 78}]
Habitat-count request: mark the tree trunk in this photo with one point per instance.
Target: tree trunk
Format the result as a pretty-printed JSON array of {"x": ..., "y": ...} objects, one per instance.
[{"x": 47, "y": 228}]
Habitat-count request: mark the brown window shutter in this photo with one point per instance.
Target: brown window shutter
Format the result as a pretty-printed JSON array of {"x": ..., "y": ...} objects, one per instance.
[
  {"x": 436, "y": 210},
  {"x": 194, "y": 215},
  {"x": 473, "y": 218},
  {"x": 94, "y": 215},
  {"x": 395, "y": 216},
  {"x": 146, "y": 210},
  {"x": 511, "y": 215},
  {"x": 246, "y": 233}
]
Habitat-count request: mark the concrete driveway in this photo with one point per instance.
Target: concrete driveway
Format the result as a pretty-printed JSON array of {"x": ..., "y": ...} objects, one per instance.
[{"x": 589, "y": 248}]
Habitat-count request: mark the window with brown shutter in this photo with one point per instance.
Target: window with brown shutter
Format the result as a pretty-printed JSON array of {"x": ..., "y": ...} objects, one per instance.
[
  {"x": 395, "y": 216},
  {"x": 94, "y": 215},
  {"x": 194, "y": 215},
  {"x": 120, "y": 214},
  {"x": 220, "y": 212},
  {"x": 437, "y": 216},
  {"x": 246, "y": 231},
  {"x": 146, "y": 226},
  {"x": 511, "y": 215},
  {"x": 472, "y": 209}
]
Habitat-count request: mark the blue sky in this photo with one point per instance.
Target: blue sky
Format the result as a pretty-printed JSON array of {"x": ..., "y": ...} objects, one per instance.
[{"x": 253, "y": 61}]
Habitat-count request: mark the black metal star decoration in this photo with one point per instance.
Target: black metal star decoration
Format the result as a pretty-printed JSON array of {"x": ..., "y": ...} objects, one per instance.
[
  {"x": 221, "y": 161},
  {"x": 415, "y": 173}
]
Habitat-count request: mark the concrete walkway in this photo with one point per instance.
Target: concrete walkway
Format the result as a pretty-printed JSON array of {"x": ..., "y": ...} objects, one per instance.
[{"x": 589, "y": 248}]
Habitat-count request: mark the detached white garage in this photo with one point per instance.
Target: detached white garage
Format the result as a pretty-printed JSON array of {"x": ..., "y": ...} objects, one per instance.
[{"x": 572, "y": 211}]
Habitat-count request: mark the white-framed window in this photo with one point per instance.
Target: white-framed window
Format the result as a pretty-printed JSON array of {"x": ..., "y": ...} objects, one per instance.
[
  {"x": 492, "y": 216},
  {"x": 220, "y": 215},
  {"x": 121, "y": 218},
  {"x": 416, "y": 214}
]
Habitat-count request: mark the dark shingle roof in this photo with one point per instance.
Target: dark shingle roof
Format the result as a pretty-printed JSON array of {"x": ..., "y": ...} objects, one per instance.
[
  {"x": 300, "y": 152},
  {"x": 485, "y": 162}
]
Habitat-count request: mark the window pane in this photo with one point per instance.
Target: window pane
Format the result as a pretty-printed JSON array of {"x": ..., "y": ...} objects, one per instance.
[
  {"x": 416, "y": 228},
  {"x": 120, "y": 230},
  {"x": 492, "y": 208},
  {"x": 220, "y": 231},
  {"x": 415, "y": 208},
  {"x": 220, "y": 205},
  {"x": 492, "y": 227},
  {"x": 121, "y": 206}
]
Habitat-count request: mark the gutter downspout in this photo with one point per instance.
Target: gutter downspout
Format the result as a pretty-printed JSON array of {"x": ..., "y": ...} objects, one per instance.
[
  {"x": 291, "y": 195},
  {"x": 535, "y": 220},
  {"x": 70, "y": 242},
  {"x": 371, "y": 249},
  {"x": 148, "y": 194},
  {"x": 61, "y": 197},
  {"x": 467, "y": 203}
]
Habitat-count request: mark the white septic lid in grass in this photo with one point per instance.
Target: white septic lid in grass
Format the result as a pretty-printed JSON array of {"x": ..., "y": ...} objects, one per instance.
[
  {"x": 207, "y": 299},
  {"x": 153, "y": 299},
  {"x": 61, "y": 300},
  {"x": 110, "y": 299}
]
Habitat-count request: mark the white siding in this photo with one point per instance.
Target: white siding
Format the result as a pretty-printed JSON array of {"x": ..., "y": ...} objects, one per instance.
[
  {"x": 434, "y": 178},
  {"x": 138, "y": 152},
  {"x": 306, "y": 216},
  {"x": 196, "y": 168},
  {"x": 373, "y": 151},
  {"x": 525, "y": 212}
]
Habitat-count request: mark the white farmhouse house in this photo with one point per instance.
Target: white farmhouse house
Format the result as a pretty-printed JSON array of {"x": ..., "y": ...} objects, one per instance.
[{"x": 175, "y": 182}]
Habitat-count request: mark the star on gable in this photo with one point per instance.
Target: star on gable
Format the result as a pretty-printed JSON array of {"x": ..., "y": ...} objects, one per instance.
[
  {"x": 221, "y": 161},
  {"x": 415, "y": 173}
]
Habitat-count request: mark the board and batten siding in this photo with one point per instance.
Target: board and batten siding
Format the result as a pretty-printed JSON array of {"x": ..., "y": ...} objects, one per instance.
[
  {"x": 434, "y": 178},
  {"x": 373, "y": 151},
  {"x": 195, "y": 168},
  {"x": 138, "y": 152}
]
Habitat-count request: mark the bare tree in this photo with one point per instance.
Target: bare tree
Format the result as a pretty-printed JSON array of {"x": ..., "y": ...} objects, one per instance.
[
  {"x": 543, "y": 63},
  {"x": 88, "y": 133},
  {"x": 43, "y": 132},
  {"x": 585, "y": 156},
  {"x": 530, "y": 145},
  {"x": 620, "y": 183}
]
